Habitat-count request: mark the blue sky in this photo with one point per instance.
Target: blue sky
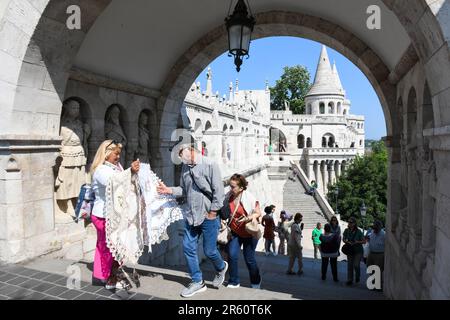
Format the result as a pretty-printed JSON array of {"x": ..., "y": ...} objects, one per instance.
[{"x": 268, "y": 56}]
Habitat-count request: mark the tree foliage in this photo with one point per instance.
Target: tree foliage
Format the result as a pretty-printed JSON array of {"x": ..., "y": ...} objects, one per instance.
[
  {"x": 292, "y": 88},
  {"x": 363, "y": 181}
]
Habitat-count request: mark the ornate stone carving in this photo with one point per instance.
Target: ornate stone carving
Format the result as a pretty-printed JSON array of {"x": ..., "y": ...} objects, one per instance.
[
  {"x": 143, "y": 151},
  {"x": 114, "y": 130},
  {"x": 71, "y": 173}
]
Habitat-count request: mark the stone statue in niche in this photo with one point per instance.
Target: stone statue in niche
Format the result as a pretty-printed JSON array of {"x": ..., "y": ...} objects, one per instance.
[
  {"x": 143, "y": 152},
  {"x": 71, "y": 172},
  {"x": 114, "y": 131}
]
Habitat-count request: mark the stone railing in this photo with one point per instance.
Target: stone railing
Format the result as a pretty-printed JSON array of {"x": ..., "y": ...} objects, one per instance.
[
  {"x": 320, "y": 198},
  {"x": 330, "y": 151}
]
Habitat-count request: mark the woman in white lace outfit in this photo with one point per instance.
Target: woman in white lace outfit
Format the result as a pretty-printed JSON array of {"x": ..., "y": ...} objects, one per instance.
[{"x": 106, "y": 164}]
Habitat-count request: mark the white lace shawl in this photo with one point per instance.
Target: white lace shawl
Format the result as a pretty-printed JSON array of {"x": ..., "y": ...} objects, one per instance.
[
  {"x": 161, "y": 210},
  {"x": 125, "y": 218}
]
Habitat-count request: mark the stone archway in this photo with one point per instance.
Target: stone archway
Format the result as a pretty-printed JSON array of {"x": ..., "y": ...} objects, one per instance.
[{"x": 31, "y": 106}]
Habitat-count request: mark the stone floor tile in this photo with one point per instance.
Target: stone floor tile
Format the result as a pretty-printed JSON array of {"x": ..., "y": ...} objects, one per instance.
[
  {"x": 70, "y": 294},
  {"x": 17, "y": 280}
]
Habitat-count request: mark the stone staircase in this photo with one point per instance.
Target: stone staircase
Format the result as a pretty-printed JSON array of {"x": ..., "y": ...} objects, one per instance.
[{"x": 296, "y": 200}]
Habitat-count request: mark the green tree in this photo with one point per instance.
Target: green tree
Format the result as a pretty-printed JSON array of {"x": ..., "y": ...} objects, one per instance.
[
  {"x": 363, "y": 181},
  {"x": 292, "y": 88}
]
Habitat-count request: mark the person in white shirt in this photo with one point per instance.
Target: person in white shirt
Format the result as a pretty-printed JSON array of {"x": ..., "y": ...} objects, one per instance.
[{"x": 105, "y": 165}]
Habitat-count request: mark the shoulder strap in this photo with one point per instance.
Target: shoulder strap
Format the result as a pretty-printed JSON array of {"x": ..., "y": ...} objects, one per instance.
[
  {"x": 235, "y": 209},
  {"x": 201, "y": 190}
]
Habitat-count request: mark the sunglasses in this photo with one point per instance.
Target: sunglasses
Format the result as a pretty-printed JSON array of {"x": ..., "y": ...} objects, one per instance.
[{"x": 112, "y": 142}]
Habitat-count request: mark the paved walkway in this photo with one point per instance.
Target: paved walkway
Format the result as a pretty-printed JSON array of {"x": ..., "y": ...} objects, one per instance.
[{"x": 46, "y": 279}]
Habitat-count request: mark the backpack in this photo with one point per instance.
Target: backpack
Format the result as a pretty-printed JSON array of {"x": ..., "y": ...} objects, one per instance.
[{"x": 85, "y": 203}]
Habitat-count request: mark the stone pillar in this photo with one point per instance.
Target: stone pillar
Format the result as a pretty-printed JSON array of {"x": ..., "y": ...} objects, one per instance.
[
  {"x": 414, "y": 193},
  {"x": 27, "y": 221},
  {"x": 338, "y": 171},
  {"x": 310, "y": 173},
  {"x": 332, "y": 174},
  {"x": 319, "y": 177},
  {"x": 326, "y": 179}
]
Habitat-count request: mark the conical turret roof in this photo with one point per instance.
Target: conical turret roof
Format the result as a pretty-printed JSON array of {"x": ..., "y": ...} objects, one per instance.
[
  {"x": 325, "y": 82},
  {"x": 337, "y": 79}
]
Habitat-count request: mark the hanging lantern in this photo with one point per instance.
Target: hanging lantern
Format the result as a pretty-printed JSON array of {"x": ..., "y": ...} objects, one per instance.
[{"x": 239, "y": 26}]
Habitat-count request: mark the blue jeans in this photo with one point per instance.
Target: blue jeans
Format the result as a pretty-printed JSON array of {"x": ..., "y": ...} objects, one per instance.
[
  {"x": 249, "y": 248},
  {"x": 209, "y": 229}
]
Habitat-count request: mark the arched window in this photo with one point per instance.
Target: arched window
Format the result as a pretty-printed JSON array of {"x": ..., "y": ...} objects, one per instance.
[
  {"x": 208, "y": 125},
  {"x": 360, "y": 143},
  {"x": 328, "y": 140},
  {"x": 331, "y": 142},
  {"x": 309, "y": 109},
  {"x": 339, "y": 108},
  {"x": 198, "y": 125},
  {"x": 345, "y": 112},
  {"x": 308, "y": 143},
  {"x": 322, "y": 108},
  {"x": 331, "y": 108},
  {"x": 301, "y": 141}
]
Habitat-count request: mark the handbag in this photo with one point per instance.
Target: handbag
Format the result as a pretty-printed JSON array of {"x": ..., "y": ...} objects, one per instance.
[
  {"x": 347, "y": 249},
  {"x": 253, "y": 228},
  {"x": 85, "y": 203},
  {"x": 224, "y": 234}
]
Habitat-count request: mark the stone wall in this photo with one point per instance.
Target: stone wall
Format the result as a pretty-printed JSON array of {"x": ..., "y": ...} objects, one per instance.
[{"x": 417, "y": 247}]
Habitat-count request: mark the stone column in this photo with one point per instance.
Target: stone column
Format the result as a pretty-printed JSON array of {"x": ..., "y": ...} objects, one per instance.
[
  {"x": 27, "y": 221},
  {"x": 332, "y": 174},
  {"x": 310, "y": 173},
  {"x": 338, "y": 171},
  {"x": 414, "y": 193},
  {"x": 326, "y": 179},
  {"x": 319, "y": 177}
]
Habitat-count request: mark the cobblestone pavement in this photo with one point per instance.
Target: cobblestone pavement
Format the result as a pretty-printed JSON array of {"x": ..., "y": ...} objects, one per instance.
[
  {"x": 46, "y": 279},
  {"x": 21, "y": 283}
]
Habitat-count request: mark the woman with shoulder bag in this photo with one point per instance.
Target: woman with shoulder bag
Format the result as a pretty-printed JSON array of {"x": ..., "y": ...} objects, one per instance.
[
  {"x": 353, "y": 239},
  {"x": 246, "y": 210}
]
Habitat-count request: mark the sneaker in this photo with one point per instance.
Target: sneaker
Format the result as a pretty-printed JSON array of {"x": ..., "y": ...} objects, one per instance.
[
  {"x": 266, "y": 253},
  {"x": 257, "y": 286},
  {"x": 220, "y": 276},
  {"x": 274, "y": 254},
  {"x": 299, "y": 273},
  {"x": 349, "y": 283},
  {"x": 193, "y": 288},
  {"x": 233, "y": 286},
  {"x": 289, "y": 272}
]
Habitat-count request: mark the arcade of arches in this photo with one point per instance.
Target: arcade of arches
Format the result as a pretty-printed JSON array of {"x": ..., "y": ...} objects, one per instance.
[{"x": 113, "y": 60}]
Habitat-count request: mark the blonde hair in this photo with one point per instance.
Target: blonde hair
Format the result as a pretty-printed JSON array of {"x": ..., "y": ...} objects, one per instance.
[{"x": 103, "y": 152}]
